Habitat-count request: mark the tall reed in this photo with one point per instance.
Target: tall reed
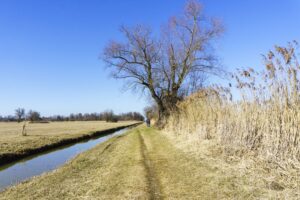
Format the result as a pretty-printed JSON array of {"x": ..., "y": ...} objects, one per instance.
[{"x": 265, "y": 117}]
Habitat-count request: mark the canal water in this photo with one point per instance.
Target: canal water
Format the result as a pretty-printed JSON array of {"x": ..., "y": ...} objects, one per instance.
[{"x": 24, "y": 169}]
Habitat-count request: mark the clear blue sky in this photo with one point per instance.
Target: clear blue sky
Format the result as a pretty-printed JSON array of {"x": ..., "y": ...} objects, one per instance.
[{"x": 49, "y": 48}]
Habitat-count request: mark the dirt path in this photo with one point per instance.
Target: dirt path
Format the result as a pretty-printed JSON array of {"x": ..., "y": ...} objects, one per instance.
[
  {"x": 152, "y": 180},
  {"x": 173, "y": 174}
]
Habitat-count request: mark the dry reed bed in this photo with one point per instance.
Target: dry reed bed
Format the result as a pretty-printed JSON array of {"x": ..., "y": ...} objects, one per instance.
[{"x": 263, "y": 125}]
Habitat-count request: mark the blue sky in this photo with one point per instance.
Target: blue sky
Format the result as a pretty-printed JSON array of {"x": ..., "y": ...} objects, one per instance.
[{"x": 49, "y": 49}]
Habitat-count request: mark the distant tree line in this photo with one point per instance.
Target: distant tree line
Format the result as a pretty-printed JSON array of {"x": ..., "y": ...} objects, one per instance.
[{"x": 109, "y": 116}]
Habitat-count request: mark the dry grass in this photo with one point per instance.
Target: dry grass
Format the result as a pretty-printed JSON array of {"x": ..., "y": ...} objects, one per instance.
[
  {"x": 39, "y": 135},
  {"x": 112, "y": 170},
  {"x": 182, "y": 176},
  {"x": 257, "y": 135},
  {"x": 142, "y": 164}
]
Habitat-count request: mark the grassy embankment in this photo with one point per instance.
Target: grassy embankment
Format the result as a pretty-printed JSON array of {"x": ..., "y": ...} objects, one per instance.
[
  {"x": 46, "y": 135},
  {"x": 142, "y": 164}
]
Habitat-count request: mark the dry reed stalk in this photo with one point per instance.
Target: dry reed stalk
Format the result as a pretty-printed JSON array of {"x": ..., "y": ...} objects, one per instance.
[{"x": 265, "y": 121}]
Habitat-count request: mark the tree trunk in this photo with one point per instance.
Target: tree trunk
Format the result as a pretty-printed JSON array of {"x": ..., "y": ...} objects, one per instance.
[{"x": 162, "y": 114}]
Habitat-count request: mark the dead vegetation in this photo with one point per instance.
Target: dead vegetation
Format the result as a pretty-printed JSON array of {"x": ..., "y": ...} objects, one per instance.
[
  {"x": 259, "y": 132},
  {"x": 142, "y": 164},
  {"x": 112, "y": 170}
]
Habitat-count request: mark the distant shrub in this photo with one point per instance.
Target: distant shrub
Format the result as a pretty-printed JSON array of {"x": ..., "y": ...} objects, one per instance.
[
  {"x": 34, "y": 116},
  {"x": 113, "y": 119},
  {"x": 24, "y": 131},
  {"x": 109, "y": 116}
]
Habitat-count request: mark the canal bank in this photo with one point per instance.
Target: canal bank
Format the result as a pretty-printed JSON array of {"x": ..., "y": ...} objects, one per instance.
[
  {"x": 29, "y": 167},
  {"x": 10, "y": 157}
]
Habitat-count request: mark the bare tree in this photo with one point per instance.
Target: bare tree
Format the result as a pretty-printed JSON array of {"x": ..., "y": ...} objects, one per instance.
[
  {"x": 109, "y": 116},
  {"x": 34, "y": 116},
  {"x": 20, "y": 114},
  {"x": 171, "y": 66}
]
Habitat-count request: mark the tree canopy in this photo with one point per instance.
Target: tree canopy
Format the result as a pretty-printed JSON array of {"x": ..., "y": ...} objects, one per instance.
[{"x": 171, "y": 65}]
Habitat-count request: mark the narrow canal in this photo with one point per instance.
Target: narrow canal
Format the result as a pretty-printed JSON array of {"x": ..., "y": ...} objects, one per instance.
[{"x": 38, "y": 164}]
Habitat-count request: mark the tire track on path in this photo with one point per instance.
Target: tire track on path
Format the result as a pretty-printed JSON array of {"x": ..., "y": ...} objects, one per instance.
[{"x": 152, "y": 180}]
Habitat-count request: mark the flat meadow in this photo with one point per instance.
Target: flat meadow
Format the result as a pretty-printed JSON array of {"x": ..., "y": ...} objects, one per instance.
[{"x": 41, "y": 135}]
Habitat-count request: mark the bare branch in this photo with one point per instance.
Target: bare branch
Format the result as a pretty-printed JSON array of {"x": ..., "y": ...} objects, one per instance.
[{"x": 172, "y": 65}]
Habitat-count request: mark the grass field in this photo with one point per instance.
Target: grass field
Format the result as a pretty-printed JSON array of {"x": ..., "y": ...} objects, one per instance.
[
  {"x": 42, "y": 134},
  {"x": 145, "y": 164}
]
